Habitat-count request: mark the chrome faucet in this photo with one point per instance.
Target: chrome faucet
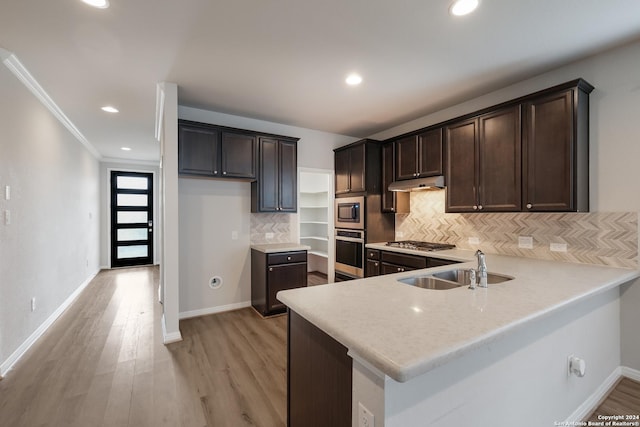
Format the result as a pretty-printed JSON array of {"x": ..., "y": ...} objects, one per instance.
[{"x": 482, "y": 269}]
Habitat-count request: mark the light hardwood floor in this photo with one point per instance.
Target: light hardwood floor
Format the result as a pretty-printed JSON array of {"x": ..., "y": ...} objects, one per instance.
[
  {"x": 103, "y": 364},
  {"x": 623, "y": 399}
]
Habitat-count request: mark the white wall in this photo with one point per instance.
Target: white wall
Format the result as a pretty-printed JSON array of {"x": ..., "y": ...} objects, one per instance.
[
  {"x": 211, "y": 209},
  {"x": 51, "y": 246},
  {"x": 105, "y": 205},
  {"x": 614, "y": 144}
]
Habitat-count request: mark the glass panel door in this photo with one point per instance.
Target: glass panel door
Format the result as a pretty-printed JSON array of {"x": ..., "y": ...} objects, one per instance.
[{"x": 131, "y": 219}]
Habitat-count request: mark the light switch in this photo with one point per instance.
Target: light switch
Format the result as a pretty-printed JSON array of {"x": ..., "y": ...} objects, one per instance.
[
  {"x": 474, "y": 241},
  {"x": 268, "y": 236},
  {"x": 234, "y": 235},
  {"x": 7, "y": 217},
  {"x": 7, "y": 192},
  {"x": 558, "y": 247}
]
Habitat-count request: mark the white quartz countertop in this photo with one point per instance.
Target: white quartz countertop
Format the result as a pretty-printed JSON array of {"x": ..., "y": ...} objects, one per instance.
[
  {"x": 405, "y": 331},
  {"x": 280, "y": 247}
]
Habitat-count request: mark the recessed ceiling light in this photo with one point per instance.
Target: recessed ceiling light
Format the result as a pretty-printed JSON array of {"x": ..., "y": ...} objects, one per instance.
[
  {"x": 125, "y": 148},
  {"x": 110, "y": 109},
  {"x": 463, "y": 7},
  {"x": 353, "y": 79},
  {"x": 100, "y": 4}
]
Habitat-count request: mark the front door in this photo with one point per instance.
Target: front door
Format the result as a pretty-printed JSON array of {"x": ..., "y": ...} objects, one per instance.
[{"x": 131, "y": 218}]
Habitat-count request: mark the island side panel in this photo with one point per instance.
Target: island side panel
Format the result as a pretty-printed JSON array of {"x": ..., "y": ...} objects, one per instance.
[
  {"x": 520, "y": 379},
  {"x": 319, "y": 378}
]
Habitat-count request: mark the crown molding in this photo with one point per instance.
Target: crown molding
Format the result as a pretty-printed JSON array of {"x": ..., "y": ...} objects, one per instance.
[{"x": 15, "y": 66}]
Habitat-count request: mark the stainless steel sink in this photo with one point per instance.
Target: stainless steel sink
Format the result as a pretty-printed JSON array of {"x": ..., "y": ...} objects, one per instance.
[
  {"x": 461, "y": 276},
  {"x": 430, "y": 282},
  {"x": 450, "y": 279}
]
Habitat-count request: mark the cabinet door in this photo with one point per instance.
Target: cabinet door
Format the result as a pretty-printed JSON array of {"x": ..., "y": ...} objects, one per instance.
[
  {"x": 372, "y": 268},
  {"x": 282, "y": 277},
  {"x": 549, "y": 153},
  {"x": 268, "y": 182},
  {"x": 392, "y": 202},
  {"x": 287, "y": 186},
  {"x": 341, "y": 159},
  {"x": 499, "y": 167},
  {"x": 406, "y": 158},
  {"x": 461, "y": 166},
  {"x": 238, "y": 155},
  {"x": 357, "y": 161},
  {"x": 430, "y": 153},
  {"x": 197, "y": 150}
]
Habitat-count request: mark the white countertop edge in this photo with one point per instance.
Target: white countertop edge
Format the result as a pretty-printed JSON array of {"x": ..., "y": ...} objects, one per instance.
[
  {"x": 268, "y": 248},
  {"x": 409, "y": 371}
]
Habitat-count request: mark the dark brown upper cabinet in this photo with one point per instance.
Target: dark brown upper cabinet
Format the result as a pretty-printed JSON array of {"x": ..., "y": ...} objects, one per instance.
[
  {"x": 276, "y": 188},
  {"x": 392, "y": 201},
  {"x": 198, "y": 149},
  {"x": 212, "y": 151},
  {"x": 530, "y": 154},
  {"x": 556, "y": 151},
  {"x": 357, "y": 168},
  {"x": 484, "y": 163},
  {"x": 419, "y": 156},
  {"x": 238, "y": 155}
]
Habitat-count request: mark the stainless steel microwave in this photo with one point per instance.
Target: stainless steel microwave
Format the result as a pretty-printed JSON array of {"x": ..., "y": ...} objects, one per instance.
[{"x": 349, "y": 212}]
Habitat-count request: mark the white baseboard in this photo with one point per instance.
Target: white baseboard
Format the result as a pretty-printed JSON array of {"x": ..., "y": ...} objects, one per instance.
[
  {"x": 589, "y": 405},
  {"x": 214, "y": 310},
  {"x": 168, "y": 338},
  {"x": 26, "y": 345},
  {"x": 634, "y": 374}
]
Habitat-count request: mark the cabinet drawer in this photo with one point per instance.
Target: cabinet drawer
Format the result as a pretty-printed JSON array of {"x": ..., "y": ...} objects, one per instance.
[
  {"x": 412, "y": 261},
  {"x": 437, "y": 262},
  {"x": 373, "y": 254},
  {"x": 386, "y": 268},
  {"x": 286, "y": 257}
]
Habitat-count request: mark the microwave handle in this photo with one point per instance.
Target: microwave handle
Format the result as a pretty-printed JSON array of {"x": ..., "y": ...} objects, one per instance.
[{"x": 354, "y": 211}]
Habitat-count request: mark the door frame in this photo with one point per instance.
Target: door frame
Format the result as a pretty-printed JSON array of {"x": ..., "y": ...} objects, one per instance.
[{"x": 156, "y": 223}]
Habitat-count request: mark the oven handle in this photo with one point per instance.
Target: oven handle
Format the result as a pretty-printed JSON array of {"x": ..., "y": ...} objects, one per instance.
[{"x": 350, "y": 239}]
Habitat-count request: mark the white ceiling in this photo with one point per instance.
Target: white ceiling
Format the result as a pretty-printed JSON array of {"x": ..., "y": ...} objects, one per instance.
[{"x": 285, "y": 60}]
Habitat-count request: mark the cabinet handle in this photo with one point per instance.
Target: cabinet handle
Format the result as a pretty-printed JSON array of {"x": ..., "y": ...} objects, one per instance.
[
  {"x": 529, "y": 205},
  {"x": 480, "y": 207},
  {"x": 375, "y": 264},
  {"x": 393, "y": 209},
  {"x": 288, "y": 258},
  {"x": 224, "y": 173},
  {"x": 270, "y": 268},
  {"x": 400, "y": 269},
  {"x": 475, "y": 208},
  {"x": 215, "y": 172}
]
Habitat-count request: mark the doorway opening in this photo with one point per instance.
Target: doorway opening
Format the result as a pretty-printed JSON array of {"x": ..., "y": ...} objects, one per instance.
[{"x": 131, "y": 219}]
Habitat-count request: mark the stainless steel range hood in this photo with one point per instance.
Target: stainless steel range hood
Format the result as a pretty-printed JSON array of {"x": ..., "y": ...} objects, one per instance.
[{"x": 418, "y": 184}]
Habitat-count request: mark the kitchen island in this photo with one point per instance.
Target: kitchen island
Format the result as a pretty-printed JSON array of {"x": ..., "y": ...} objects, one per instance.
[{"x": 495, "y": 356}]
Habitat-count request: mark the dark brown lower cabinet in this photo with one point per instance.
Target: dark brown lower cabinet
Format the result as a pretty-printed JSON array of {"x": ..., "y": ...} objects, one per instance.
[
  {"x": 274, "y": 272},
  {"x": 318, "y": 377}
]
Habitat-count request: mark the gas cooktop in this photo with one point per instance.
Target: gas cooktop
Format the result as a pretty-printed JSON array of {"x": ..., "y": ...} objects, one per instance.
[{"x": 420, "y": 246}]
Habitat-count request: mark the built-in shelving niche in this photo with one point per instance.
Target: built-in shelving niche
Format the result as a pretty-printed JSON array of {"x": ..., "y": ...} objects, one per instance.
[{"x": 315, "y": 208}]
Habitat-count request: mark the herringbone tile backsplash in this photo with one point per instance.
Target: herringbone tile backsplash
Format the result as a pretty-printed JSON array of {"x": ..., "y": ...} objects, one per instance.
[
  {"x": 605, "y": 238},
  {"x": 283, "y": 226}
]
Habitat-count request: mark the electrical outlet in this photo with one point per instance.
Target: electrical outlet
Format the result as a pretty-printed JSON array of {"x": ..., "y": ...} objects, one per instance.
[
  {"x": 365, "y": 416},
  {"x": 525, "y": 242},
  {"x": 7, "y": 192},
  {"x": 558, "y": 247},
  {"x": 7, "y": 217},
  {"x": 474, "y": 241},
  {"x": 399, "y": 234},
  {"x": 234, "y": 235},
  {"x": 33, "y": 304},
  {"x": 268, "y": 236}
]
